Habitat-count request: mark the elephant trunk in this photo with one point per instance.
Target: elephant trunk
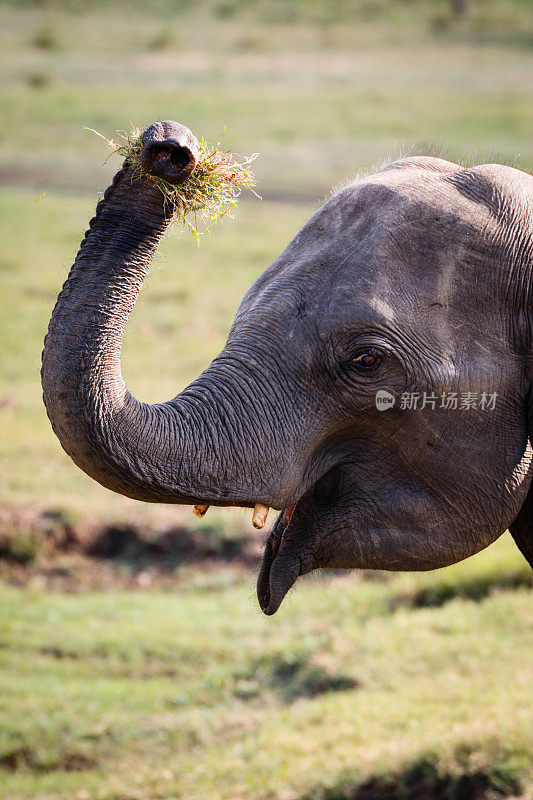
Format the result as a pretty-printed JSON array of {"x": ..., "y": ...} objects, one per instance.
[{"x": 198, "y": 446}]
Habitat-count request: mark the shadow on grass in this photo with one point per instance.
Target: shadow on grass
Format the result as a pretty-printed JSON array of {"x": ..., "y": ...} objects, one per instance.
[
  {"x": 422, "y": 781},
  {"x": 24, "y": 759},
  {"x": 289, "y": 676},
  {"x": 475, "y": 588}
]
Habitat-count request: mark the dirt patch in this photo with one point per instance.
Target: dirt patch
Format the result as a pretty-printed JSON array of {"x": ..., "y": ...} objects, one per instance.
[
  {"x": 423, "y": 782},
  {"x": 26, "y": 533},
  {"x": 63, "y": 552}
]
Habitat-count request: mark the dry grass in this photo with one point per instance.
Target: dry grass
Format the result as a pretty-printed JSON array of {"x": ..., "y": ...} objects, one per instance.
[{"x": 210, "y": 193}]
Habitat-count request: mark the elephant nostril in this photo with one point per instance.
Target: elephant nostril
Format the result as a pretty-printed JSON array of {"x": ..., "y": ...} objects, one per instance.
[
  {"x": 180, "y": 157},
  {"x": 159, "y": 155},
  {"x": 169, "y": 161}
]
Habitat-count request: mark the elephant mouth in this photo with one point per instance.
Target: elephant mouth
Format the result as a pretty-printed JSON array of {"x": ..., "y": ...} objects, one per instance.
[
  {"x": 289, "y": 548},
  {"x": 278, "y": 571},
  {"x": 294, "y": 546}
]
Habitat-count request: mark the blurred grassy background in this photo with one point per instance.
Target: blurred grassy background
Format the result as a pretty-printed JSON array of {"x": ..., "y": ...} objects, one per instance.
[{"x": 127, "y": 706}]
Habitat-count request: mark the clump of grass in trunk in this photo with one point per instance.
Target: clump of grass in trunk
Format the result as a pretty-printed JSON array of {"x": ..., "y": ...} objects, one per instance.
[{"x": 210, "y": 193}]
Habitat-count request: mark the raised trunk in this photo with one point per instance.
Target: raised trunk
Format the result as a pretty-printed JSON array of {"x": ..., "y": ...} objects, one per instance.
[{"x": 182, "y": 451}]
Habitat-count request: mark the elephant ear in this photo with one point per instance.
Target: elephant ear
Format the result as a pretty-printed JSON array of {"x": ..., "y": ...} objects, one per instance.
[{"x": 522, "y": 528}]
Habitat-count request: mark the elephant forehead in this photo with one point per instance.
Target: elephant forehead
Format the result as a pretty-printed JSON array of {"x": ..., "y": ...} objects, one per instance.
[
  {"x": 401, "y": 240},
  {"x": 382, "y": 229}
]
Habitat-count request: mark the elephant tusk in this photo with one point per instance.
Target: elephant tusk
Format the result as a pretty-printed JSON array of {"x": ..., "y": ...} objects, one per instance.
[
  {"x": 199, "y": 510},
  {"x": 260, "y": 515}
]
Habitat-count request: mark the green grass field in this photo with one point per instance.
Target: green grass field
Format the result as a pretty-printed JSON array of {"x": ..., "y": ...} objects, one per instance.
[
  {"x": 183, "y": 689},
  {"x": 195, "y": 694}
]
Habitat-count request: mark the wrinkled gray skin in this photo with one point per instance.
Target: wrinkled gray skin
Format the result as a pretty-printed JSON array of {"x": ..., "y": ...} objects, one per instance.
[{"x": 427, "y": 266}]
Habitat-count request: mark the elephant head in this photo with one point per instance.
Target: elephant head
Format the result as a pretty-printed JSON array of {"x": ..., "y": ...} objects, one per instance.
[{"x": 375, "y": 383}]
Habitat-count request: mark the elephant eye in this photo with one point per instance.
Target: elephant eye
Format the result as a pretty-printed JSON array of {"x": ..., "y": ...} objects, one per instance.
[{"x": 367, "y": 360}]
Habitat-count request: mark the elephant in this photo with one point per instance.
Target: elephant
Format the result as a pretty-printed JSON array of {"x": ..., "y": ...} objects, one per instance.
[{"x": 330, "y": 401}]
